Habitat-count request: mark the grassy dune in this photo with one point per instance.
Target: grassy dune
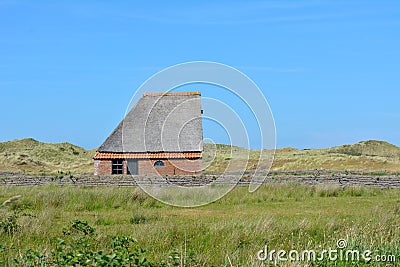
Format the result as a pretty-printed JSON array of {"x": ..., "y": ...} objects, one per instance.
[
  {"x": 32, "y": 157},
  {"x": 230, "y": 231},
  {"x": 367, "y": 155}
]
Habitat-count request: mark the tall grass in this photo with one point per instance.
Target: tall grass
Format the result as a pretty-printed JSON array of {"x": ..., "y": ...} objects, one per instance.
[{"x": 230, "y": 230}]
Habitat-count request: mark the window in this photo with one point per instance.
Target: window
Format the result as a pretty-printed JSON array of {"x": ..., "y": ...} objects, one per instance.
[
  {"x": 117, "y": 166},
  {"x": 159, "y": 163}
]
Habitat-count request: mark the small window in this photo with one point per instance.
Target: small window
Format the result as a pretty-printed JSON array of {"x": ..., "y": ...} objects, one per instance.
[
  {"x": 117, "y": 166},
  {"x": 159, "y": 163}
]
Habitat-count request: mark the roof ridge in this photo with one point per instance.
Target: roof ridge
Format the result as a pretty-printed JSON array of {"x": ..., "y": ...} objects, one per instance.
[{"x": 170, "y": 93}]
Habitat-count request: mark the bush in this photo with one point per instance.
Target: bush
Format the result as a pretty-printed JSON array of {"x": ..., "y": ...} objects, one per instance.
[
  {"x": 77, "y": 248},
  {"x": 79, "y": 226},
  {"x": 10, "y": 225}
]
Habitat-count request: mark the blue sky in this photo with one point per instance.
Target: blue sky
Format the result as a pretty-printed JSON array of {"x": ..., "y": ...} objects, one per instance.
[{"x": 329, "y": 69}]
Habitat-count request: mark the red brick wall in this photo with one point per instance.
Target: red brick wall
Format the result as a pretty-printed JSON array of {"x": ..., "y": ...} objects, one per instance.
[
  {"x": 171, "y": 167},
  {"x": 102, "y": 167},
  {"x": 146, "y": 167}
]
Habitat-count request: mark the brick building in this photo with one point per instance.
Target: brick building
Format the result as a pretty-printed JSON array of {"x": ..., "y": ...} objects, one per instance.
[{"x": 162, "y": 134}]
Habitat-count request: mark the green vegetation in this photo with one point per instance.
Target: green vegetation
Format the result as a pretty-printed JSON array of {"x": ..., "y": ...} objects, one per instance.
[
  {"x": 369, "y": 148},
  {"x": 121, "y": 226},
  {"x": 110, "y": 226},
  {"x": 32, "y": 157},
  {"x": 368, "y": 156}
]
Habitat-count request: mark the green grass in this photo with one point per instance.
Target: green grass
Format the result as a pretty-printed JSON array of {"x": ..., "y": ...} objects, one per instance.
[{"x": 233, "y": 229}]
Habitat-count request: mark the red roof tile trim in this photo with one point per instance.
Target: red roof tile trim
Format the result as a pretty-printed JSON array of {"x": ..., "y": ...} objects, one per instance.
[
  {"x": 171, "y": 93},
  {"x": 157, "y": 155}
]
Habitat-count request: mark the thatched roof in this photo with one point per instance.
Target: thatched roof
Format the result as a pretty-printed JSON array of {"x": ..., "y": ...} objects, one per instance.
[{"x": 159, "y": 122}]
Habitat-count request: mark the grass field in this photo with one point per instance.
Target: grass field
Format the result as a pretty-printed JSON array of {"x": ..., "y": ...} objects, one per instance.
[
  {"x": 72, "y": 226},
  {"x": 228, "y": 232}
]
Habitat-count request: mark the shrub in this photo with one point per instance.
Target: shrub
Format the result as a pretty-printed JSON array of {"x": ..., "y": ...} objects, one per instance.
[
  {"x": 79, "y": 226},
  {"x": 10, "y": 225},
  {"x": 78, "y": 250}
]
